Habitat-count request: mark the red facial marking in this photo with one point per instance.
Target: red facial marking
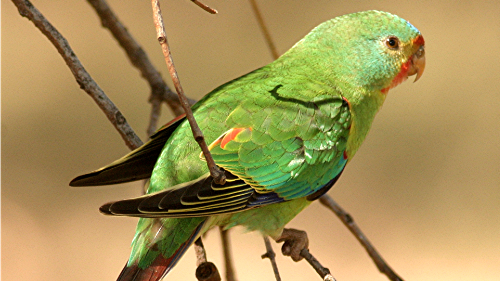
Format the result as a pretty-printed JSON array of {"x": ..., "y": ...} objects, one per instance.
[
  {"x": 231, "y": 135},
  {"x": 345, "y": 155},
  {"x": 401, "y": 77},
  {"x": 419, "y": 40}
]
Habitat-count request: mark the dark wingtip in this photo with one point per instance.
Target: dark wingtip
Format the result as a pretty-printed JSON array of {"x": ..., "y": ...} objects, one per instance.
[
  {"x": 94, "y": 178},
  {"x": 106, "y": 177},
  {"x": 115, "y": 174},
  {"x": 127, "y": 207},
  {"x": 79, "y": 181},
  {"x": 105, "y": 209},
  {"x": 136, "y": 165}
]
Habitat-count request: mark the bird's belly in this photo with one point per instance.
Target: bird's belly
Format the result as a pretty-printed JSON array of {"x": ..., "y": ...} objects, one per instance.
[{"x": 269, "y": 220}]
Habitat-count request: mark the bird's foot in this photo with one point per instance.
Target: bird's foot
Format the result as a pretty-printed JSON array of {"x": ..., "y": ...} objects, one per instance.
[{"x": 295, "y": 240}]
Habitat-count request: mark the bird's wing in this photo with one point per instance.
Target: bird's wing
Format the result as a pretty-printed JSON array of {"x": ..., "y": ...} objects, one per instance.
[{"x": 290, "y": 154}]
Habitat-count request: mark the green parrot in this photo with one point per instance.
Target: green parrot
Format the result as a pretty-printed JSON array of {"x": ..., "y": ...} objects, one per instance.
[{"x": 282, "y": 135}]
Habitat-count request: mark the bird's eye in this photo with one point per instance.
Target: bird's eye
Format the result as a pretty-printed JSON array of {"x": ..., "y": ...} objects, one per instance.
[{"x": 392, "y": 43}]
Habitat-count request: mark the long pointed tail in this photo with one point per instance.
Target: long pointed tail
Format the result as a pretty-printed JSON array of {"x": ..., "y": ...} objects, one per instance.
[{"x": 152, "y": 265}]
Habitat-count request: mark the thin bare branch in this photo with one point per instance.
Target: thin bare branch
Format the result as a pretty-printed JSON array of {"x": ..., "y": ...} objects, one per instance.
[
  {"x": 263, "y": 28},
  {"x": 228, "y": 259},
  {"x": 199, "y": 249},
  {"x": 205, "y": 7},
  {"x": 160, "y": 92},
  {"x": 322, "y": 271},
  {"x": 205, "y": 271},
  {"x": 348, "y": 221},
  {"x": 215, "y": 172},
  {"x": 155, "y": 114},
  {"x": 83, "y": 78},
  {"x": 272, "y": 257}
]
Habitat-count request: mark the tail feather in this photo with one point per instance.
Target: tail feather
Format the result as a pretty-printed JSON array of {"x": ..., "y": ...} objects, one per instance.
[
  {"x": 156, "y": 271},
  {"x": 160, "y": 266},
  {"x": 152, "y": 273}
]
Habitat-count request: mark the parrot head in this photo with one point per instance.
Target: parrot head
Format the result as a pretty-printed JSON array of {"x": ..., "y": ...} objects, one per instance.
[{"x": 372, "y": 49}]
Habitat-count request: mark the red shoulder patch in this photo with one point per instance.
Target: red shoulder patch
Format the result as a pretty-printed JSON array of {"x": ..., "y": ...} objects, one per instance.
[{"x": 231, "y": 135}]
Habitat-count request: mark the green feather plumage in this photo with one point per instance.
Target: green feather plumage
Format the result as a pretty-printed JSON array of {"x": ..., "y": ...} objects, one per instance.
[{"x": 303, "y": 114}]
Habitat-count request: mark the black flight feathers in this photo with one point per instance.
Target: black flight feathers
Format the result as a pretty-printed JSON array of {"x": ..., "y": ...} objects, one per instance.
[
  {"x": 136, "y": 165},
  {"x": 201, "y": 197}
]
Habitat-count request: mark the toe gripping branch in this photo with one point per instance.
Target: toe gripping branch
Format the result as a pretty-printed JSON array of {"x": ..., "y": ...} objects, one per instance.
[{"x": 296, "y": 245}]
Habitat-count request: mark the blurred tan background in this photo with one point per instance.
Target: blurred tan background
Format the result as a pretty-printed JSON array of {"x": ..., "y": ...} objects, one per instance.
[{"x": 425, "y": 186}]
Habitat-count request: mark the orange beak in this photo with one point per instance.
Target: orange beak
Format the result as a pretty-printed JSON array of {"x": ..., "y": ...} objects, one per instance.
[{"x": 417, "y": 65}]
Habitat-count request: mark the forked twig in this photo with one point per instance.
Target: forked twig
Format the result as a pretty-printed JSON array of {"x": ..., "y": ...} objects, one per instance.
[
  {"x": 83, "y": 78},
  {"x": 348, "y": 221},
  {"x": 215, "y": 172},
  {"x": 272, "y": 257},
  {"x": 160, "y": 92}
]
